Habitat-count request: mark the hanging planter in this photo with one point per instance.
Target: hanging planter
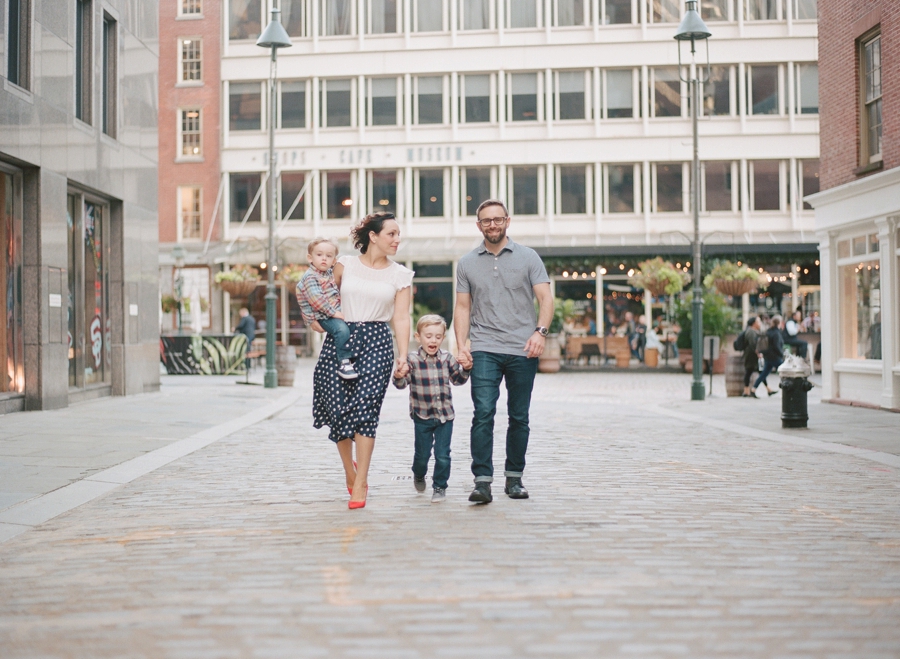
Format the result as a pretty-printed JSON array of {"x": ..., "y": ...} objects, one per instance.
[
  {"x": 659, "y": 278},
  {"x": 239, "y": 282},
  {"x": 735, "y": 287},
  {"x": 731, "y": 279}
]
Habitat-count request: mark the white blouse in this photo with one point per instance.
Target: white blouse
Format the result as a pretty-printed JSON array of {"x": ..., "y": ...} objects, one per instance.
[{"x": 367, "y": 294}]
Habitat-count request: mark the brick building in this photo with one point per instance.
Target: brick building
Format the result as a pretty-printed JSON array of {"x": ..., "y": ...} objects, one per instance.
[
  {"x": 189, "y": 141},
  {"x": 858, "y": 209}
]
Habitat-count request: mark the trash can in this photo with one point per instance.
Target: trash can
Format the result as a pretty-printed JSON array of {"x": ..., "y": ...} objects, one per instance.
[{"x": 794, "y": 386}]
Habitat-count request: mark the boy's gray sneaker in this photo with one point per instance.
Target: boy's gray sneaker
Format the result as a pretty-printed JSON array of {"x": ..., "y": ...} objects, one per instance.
[
  {"x": 481, "y": 493},
  {"x": 419, "y": 482},
  {"x": 346, "y": 371},
  {"x": 439, "y": 495}
]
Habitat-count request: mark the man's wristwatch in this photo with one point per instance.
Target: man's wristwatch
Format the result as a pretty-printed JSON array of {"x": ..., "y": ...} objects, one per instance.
[{"x": 543, "y": 331}]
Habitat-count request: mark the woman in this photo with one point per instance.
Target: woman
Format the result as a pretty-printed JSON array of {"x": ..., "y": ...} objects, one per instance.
[
  {"x": 374, "y": 291},
  {"x": 772, "y": 355}
]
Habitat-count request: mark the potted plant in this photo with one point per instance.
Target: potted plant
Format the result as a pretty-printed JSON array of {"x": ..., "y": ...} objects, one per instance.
[
  {"x": 659, "y": 277},
  {"x": 549, "y": 362},
  {"x": 169, "y": 304},
  {"x": 731, "y": 279},
  {"x": 240, "y": 281},
  {"x": 719, "y": 319}
]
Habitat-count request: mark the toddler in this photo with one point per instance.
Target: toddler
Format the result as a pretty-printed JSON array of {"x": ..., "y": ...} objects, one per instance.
[
  {"x": 320, "y": 301},
  {"x": 429, "y": 375}
]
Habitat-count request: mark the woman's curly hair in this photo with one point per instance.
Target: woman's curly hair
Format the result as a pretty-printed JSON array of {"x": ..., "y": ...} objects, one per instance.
[{"x": 370, "y": 223}]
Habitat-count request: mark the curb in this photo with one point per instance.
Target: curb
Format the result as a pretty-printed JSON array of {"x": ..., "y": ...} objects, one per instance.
[{"x": 31, "y": 513}]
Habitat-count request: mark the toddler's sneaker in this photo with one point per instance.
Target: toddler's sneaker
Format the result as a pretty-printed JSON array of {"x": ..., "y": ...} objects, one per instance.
[
  {"x": 346, "y": 370},
  {"x": 419, "y": 482},
  {"x": 439, "y": 495}
]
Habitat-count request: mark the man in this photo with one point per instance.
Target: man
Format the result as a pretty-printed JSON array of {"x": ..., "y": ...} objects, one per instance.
[
  {"x": 246, "y": 326},
  {"x": 496, "y": 284},
  {"x": 791, "y": 331}
]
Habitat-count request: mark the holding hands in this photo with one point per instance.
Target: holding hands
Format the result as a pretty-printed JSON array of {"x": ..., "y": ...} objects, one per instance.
[
  {"x": 465, "y": 358},
  {"x": 401, "y": 370}
]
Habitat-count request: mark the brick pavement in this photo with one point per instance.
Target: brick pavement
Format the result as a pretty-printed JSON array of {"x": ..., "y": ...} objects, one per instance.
[{"x": 647, "y": 535}]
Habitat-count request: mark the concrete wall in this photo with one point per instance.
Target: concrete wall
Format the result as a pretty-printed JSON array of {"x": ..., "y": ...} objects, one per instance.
[{"x": 55, "y": 151}]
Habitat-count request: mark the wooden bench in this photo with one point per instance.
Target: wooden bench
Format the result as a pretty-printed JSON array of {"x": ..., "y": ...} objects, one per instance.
[{"x": 590, "y": 346}]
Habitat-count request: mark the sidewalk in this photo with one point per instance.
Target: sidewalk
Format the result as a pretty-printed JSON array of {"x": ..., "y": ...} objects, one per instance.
[{"x": 51, "y": 452}]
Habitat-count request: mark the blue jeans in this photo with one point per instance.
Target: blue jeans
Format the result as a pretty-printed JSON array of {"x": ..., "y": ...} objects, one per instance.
[
  {"x": 340, "y": 334},
  {"x": 768, "y": 367},
  {"x": 488, "y": 370},
  {"x": 433, "y": 433}
]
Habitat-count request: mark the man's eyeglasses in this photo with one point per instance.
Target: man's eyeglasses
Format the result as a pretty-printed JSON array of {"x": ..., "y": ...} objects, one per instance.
[{"x": 496, "y": 221}]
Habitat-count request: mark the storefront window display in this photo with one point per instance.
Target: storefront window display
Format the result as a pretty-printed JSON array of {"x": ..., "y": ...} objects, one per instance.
[
  {"x": 860, "y": 297},
  {"x": 12, "y": 375},
  {"x": 88, "y": 303}
]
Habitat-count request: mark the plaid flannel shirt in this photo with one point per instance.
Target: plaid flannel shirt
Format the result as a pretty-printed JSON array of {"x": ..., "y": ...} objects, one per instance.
[
  {"x": 429, "y": 380},
  {"x": 318, "y": 295}
]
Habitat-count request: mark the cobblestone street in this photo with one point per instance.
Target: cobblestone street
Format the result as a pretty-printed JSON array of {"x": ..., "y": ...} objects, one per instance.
[{"x": 648, "y": 534}]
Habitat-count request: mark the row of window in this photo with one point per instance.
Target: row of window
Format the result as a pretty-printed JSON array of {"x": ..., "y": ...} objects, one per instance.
[
  {"x": 341, "y": 18},
  {"x": 571, "y": 95},
  {"x": 19, "y": 59},
  {"x": 575, "y": 190}
]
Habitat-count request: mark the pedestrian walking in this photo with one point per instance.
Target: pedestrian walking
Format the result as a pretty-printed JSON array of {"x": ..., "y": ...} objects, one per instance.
[
  {"x": 375, "y": 291},
  {"x": 246, "y": 326},
  {"x": 496, "y": 285},
  {"x": 430, "y": 374},
  {"x": 748, "y": 340},
  {"x": 772, "y": 355},
  {"x": 320, "y": 300}
]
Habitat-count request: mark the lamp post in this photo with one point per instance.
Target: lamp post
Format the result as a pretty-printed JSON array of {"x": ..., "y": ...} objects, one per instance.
[
  {"x": 692, "y": 28},
  {"x": 178, "y": 253},
  {"x": 273, "y": 37}
]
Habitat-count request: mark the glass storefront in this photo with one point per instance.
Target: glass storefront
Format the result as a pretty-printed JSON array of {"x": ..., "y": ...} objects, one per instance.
[
  {"x": 12, "y": 348},
  {"x": 860, "y": 298},
  {"x": 88, "y": 300},
  {"x": 433, "y": 290}
]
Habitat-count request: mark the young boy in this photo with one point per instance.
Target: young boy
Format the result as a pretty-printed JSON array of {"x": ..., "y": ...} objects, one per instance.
[
  {"x": 431, "y": 370},
  {"x": 320, "y": 301}
]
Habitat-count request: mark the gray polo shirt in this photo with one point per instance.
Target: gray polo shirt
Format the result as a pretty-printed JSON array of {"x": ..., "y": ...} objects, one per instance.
[{"x": 502, "y": 316}]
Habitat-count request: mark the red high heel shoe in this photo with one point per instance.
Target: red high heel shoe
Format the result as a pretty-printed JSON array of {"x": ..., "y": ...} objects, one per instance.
[{"x": 354, "y": 505}]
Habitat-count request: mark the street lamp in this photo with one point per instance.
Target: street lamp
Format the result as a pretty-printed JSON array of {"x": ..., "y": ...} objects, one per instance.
[
  {"x": 178, "y": 253},
  {"x": 273, "y": 37},
  {"x": 692, "y": 28}
]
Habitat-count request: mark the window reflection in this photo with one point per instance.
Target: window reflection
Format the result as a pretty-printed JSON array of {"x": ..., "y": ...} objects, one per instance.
[
  {"x": 524, "y": 96},
  {"x": 431, "y": 192},
  {"x": 477, "y": 93},
  {"x": 621, "y": 188},
  {"x": 245, "y": 106},
  {"x": 477, "y": 188},
  {"x": 717, "y": 179},
  {"x": 523, "y": 13},
  {"x": 383, "y": 186},
  {"x": 618, "y": 12},
  {"x": 244, "y": 19},
  {"x": 338, "y": 195},
  {"x": 669, "y": 188},
  {"x": 572, "y": 189},
  {"x": 766, "y": 181},
  {"x": 523, "y": 190},
  {"x": 763, "y": 82},
  {"x": 619, "y": 93},
  {"x": 860, "y": 318},
  {"x": 12, "y": 369},
  {"x": 337, "y": 17},
  {"x": 571, "y": 90}
]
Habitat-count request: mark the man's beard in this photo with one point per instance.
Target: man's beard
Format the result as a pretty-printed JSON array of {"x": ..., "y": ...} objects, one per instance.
[{"x": 498, "y": 239}]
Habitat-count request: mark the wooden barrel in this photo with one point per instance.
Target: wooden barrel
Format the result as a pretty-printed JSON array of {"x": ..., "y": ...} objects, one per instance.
[
  {"x": 651, "y": 357},
  {"x": 286, "y": 365},
  {"x": 734, "y": 375},
  {"x": 623, "y": 358}
]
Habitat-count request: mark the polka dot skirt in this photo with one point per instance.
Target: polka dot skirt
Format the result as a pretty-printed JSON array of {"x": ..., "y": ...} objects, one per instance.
[{"x": 349, "y": 407}]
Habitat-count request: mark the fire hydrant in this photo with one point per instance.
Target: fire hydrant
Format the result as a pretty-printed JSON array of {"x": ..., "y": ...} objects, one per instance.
[{"x": 794, "y": 386}]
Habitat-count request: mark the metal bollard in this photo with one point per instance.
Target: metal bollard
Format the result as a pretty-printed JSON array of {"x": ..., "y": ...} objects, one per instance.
[{"x": 794, "y": 387}]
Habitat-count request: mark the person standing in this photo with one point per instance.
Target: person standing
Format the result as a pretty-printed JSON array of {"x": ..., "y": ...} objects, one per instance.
[
  {"x": 246, "y": 326},
  {"x": 772, "y": 355},
  {"x": 496, "y": 284},
  {"x": 751, "y": 356},
  {"x": 375, "y": 291}
]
